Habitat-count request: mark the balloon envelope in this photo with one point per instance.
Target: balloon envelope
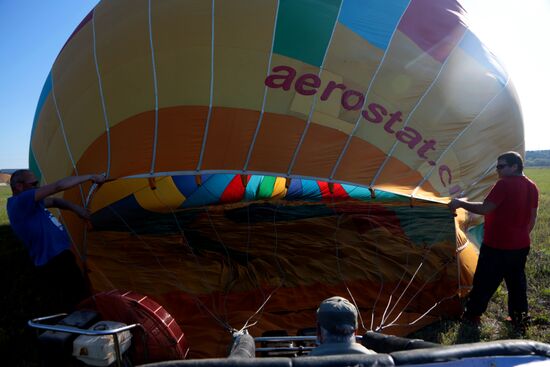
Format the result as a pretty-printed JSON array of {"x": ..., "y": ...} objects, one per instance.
[{"x": 266, "y": 155}]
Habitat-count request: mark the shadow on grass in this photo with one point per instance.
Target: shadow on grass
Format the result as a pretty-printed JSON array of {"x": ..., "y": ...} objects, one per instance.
[
  {"x": 432, "y": 332},
  {"x": 468, "y": 333}
]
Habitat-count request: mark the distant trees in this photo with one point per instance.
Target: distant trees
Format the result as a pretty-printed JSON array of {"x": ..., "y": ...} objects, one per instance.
[{"x": 537, "y": 158}]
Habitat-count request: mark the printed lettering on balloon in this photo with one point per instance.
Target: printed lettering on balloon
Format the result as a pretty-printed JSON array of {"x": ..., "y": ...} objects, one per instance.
[{"x": 309, "y": 84}]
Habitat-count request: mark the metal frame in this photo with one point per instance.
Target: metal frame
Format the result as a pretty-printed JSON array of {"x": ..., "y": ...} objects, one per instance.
[
  {"x": 37, "y": 324},
  {"x": 290, "y": 339}
]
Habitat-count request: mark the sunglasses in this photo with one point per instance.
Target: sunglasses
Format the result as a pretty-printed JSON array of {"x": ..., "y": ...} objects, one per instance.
[
  {"x": 33, "y": 183},
  {"x": 501, "y": 166}
]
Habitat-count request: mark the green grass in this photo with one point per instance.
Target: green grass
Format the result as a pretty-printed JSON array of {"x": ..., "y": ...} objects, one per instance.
[
  {"x": 5, "y": 192},
  {"x": 21, "y": 299}
]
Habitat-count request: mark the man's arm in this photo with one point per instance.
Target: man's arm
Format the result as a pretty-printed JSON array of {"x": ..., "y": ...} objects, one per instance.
[
  {"x": 64, "y": 184},
  {"x": 65, "y": 204},
  {"x": 481, "y": 208}
]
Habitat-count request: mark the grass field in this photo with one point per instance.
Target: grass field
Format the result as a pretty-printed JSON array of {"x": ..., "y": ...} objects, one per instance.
[{"x": 20, "y": 296}]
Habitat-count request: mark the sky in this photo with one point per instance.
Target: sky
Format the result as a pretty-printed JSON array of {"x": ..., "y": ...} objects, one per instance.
[{"x": 32, "y": 32}]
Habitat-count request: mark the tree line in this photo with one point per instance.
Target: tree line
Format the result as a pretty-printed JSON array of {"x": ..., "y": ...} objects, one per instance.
[{"x": 537, "y": 158}]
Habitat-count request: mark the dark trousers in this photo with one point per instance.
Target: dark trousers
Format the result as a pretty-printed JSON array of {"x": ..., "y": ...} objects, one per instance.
[
  {"x": 493, "y": 266},
  {"x": 63, "y": 282}
]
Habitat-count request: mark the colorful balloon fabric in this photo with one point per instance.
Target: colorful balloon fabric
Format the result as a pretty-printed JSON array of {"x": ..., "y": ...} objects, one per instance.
[{"x": 265, "y": 155}]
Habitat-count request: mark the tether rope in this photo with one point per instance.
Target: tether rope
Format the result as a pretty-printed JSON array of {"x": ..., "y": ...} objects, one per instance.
[
  {"x": 445, "y": 264},
  {"x": 259, "y": 311},
  {"x": 338, "y": 265},
  {"x": 223, "y": 323}
]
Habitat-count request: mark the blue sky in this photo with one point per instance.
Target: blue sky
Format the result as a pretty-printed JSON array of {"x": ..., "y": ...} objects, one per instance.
[{"x": 33, "y": 31}]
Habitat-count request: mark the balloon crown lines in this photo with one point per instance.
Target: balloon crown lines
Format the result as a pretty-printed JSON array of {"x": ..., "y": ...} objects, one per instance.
[{"x": 308, "y": 84}]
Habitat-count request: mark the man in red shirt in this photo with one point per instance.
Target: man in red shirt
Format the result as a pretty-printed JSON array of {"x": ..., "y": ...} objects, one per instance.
[{"x": 510, "y": 212}]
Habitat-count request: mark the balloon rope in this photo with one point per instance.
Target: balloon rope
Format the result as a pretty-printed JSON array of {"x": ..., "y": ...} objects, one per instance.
[
  {"x": 101, "y": 95},
  {"x": 339, "y": 267},
  {"x": 365, "y": 99},
  {"x": 196, "y": 259},
  {"x": 314, "y": 102},
  {"x": 402, "y": 293},
  {"x": 155, "y": 87},
  {"x": 184, "y": 237},
  {"x": 233, "y": 270},
  {"x": 251, "y": 274},
  {"x": 395, "y": 289},
  {"x": 223, "y": 323},
  {"x": 456, "y": 139},
  {"x": 418, "y": 104},
  {"x": 283, "y": 275},
  {"x": 210, "y": 104},
  {"x": 62, "y": 126},
  {"x": 420, "y": 317},
  {"x": 86, "y": 202},
  {"x": 259, "y": 311},
  {"x": 381, "y": 326},
  {"x": 262, "y": 110},
  {"x": 428, "y": 250},
  {"x": 380, "y": 277},
  {"x": 229, "y": 284},
  {"x": 399, "y": 283}
]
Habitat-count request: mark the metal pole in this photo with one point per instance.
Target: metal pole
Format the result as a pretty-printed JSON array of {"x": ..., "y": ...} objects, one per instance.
[
  {"x": 36, "y": 324},
  {"x": 117, "y": 350}
]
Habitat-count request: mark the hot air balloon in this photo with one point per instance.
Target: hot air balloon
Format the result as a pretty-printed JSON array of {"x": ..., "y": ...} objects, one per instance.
[{"x": 265, "y": 155}]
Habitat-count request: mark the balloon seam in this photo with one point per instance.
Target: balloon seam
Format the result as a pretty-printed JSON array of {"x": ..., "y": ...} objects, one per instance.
[
  {"x": 102, "y": 96},
  {"x": 314, "y": 102},
  {"x": 155, "y": 86},
  {"x": 262, "y": 173},
  {"x": 209, "y": 117},
  {"x": 62, "y": 126},
  {"x": 483, "y": 175},
  {"x": 82, "y": 256},
  {"x": 428, "y": 175},
  {"x": 260, "y": 119},
  {"x": 406, "y": 123},
  {"x": 356, "y": 127}
]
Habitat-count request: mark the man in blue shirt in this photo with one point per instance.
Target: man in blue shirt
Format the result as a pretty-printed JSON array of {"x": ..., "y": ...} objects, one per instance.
[{"x": 44, "y": 236}]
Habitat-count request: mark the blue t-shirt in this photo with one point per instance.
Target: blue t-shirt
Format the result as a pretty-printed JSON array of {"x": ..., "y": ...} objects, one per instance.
[{"x": 41, "y": 232}]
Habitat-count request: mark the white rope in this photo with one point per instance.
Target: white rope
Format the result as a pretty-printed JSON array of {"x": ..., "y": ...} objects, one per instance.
[
  {"x": 209, "y": 117},
  {"x": 406, "y": 123},
  {"x": 425, "y": 255},
  {"x": 420, "y": 317},
  {"x": 395, "y": 289},
  {"x": 155, "y": 87},
  {"x": 350, "y": 136},
  {"x": 339, "y": 267},
  {"x": 458, "y": 137},
  {"x": 381, "y": 326},
  {"x": 404, "y": 290},
  {"x": 102, "y": 97},
  {"x": 260, "y": 119},
  {"x": 314, "y": 102},
  {"x": 223, "y": 323},
  {"x": 259, "y": 311},
  {"x": 62, "y": 126}
]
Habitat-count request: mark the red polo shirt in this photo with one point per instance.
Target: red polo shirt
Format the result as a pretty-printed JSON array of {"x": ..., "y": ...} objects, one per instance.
[{"x": 507, "y": 227}]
